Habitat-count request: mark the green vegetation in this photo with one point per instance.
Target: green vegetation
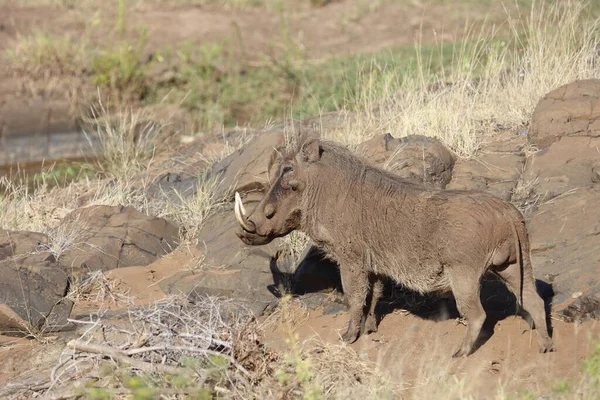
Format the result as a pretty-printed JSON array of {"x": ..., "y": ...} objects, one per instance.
[{"x": 219, "y": 85}]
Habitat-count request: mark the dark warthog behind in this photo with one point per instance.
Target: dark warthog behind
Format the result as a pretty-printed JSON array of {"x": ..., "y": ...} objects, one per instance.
[{"x": 375, "y": 224}]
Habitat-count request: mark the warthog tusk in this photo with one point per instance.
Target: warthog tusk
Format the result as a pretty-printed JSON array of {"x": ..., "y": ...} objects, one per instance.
[{"x": 240, "y": 214}]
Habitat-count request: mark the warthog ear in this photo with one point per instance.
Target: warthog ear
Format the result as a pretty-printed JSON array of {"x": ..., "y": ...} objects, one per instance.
[
  {"x": 311, "y": 151},
  {"x": 275, "y": 154}
]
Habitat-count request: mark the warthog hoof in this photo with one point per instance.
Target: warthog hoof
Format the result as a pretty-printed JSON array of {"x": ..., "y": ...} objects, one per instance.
[
  {"x": 461, "y": 353},
  {"x": 549, "y": 348},
  {"x": 546, "y": 345},
  {"x": 350, "y": 336},
  {"x": 371, "y": 324}
]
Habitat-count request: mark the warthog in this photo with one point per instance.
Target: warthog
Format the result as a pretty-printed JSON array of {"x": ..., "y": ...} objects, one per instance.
[{"x": 374, "y": 224}]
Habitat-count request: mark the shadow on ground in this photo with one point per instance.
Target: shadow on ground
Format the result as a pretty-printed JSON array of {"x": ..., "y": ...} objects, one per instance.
[{"x": 317, "y": 274}]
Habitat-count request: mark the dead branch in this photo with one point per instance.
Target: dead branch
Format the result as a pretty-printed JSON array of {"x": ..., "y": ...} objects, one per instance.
[
  {"x": 34, "y": 385},
  {"x": 121, "y": 356},
  {"x": 191, "y": 350}
]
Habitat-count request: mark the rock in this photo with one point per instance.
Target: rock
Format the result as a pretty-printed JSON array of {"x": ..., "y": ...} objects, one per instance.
[
  {"x": 246, "y": 169},
  {"x": 418, "y": 158},
  {"x": 570, "y": 110},
  {"x": 566, "y": 164},
  {"x": 32, "y": 292},
  {"x": 113, "y": 237},
  {"x": 495, "y": 173},
  {"x": 173, "y": 187},
  {"x": 230, "y": 268},
  {"x": 14, "y": 243},
  {"x": 596, "y": 172},
  {"x": 181, "y": 169},
  {"x": 585, "y": 308},
  {"x": 565, "y": 244}
]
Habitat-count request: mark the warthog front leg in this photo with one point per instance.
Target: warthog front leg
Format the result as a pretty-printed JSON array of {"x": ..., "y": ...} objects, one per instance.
[
  {"x": 376, "y": 292},
  {"x": 355, "y": 283}
]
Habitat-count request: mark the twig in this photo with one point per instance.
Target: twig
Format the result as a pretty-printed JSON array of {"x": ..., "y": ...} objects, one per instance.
[
  {"x": 13, "y": 388},
  {"x": 121, "y": 356},
  {"x": 208, "y": 339},
  {"x": 191, "y": 350}
]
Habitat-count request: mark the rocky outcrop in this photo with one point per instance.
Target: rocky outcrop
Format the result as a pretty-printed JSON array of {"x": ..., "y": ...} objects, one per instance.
[
  {"x": 418, "y": 158},
  {"x": 571, "y": 110},
  {"x": 113, "y": 237},
  {"x": 32, "y": 284}
]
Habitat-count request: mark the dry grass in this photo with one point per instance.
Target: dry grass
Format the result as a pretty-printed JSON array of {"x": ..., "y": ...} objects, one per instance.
[
  {"x": 101, "y": 291},
  {"x": 125, "y": 139},
  {"x": 42, "y": 209},
  {"x": 40, "y": 54},
  {"x": 295, "y": 243},
  {"x": 343, "y": 374},
  {"x": 495, "y": 83},
  {"x": 189, "y": 212},
  {"x": 171, "y": 349}
]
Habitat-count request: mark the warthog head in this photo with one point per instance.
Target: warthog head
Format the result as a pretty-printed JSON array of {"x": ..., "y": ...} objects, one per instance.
[{"x": 279, "y": 212}]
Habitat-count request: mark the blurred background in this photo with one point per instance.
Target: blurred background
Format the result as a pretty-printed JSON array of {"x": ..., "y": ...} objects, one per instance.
[{"x": 198, "y": 67}]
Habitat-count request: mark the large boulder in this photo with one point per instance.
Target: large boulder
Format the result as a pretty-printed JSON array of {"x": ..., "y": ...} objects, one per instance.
[
  {"x": 13, "y": 243},
  {"x": 568, "y": 163},
  {"x": 570, "y": 110},
  {"x": 565, "y": 244},
  {"x": 116, "y": 236},
  {"x": 229, "y": 267},
  {"x": 496, "y": 173},
  {"x": 418, "y": 158},
  {"x": 246, "y": 170},
  {"x": 32, "y": 284}
]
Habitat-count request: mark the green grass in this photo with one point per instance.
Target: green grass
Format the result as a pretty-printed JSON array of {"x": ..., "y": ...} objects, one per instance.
[
  {"x": 211, "y": 82},
  {"x": 217, "y": 82}
]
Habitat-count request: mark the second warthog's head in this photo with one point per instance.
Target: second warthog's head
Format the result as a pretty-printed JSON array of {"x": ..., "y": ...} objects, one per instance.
[{"x": 280, "y": 210}]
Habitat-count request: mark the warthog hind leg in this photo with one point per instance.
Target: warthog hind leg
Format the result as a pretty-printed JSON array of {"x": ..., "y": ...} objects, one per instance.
[
  {"x": 356, "y": 286},
  {"x": 376, "y": 292},
  {"x": 531, "y": 302},
  {"x": 466, "y": 292}
]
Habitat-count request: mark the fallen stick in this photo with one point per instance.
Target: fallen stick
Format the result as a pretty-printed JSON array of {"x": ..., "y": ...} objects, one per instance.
[
  {"x": 71, "y": 394},
  {"x": 121, "y": 356},
  {"x": 191, "y": 350}
]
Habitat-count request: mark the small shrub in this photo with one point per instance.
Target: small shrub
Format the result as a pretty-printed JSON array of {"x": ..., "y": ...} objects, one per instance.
[
  {"x": 120, "y": 68},
  {"x": 42, "y": 54}
]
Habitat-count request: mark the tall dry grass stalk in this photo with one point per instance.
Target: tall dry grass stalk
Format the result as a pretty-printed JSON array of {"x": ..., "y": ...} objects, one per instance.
[
  {"x": 190, "y": 211},
  {"x": 490, "y": 83},
  {"x": 125, "y": 140}
]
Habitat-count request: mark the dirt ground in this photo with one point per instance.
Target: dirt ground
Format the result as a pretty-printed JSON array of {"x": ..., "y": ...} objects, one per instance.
[
  {"x": 415, "y": 350},
  {"x": 342, "y": 27}
]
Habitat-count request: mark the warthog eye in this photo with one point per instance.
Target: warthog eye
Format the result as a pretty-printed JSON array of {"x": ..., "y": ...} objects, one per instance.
[
  {"x": 269, "y": 211},
  {"x": 294, "y": 184},
  {"x": 287, "y": 168}
]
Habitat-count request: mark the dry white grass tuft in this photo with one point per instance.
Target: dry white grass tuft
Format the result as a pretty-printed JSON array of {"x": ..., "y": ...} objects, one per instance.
[
  {"x": 190, "y": 212},
  {"x": 101, "y": 291},
  {"x": 495, "y": 83},
  {"x": 125, "y": 140}
]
